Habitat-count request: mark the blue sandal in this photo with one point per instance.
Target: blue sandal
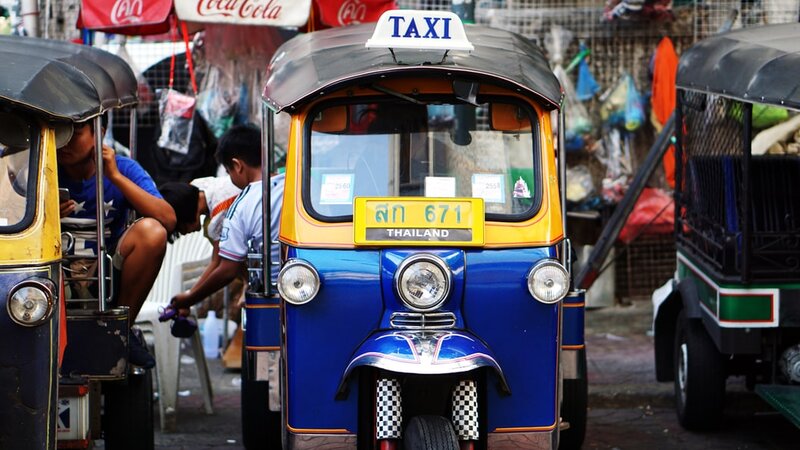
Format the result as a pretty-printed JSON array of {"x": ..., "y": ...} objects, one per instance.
[{"x": 182, "y": 327}]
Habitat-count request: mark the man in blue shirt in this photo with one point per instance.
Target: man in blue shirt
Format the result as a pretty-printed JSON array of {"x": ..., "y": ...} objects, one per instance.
[{"x": 139, "y": 249}]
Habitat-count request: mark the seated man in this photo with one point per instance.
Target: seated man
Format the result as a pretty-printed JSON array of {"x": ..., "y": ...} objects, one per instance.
[{"x": 138, "y": 250}]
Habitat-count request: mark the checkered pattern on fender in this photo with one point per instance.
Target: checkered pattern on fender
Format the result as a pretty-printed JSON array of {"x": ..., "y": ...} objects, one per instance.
[
  {"x": 389, "y": 406},
  {"x": 465, "y": 410}
]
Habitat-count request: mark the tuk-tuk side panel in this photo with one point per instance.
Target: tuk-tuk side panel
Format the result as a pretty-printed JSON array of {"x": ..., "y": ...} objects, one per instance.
[
  {"x": 28, "y": 369},
  {"x": 544, "y": 228},
  {"x": 522, "y": 332},
  {"x": 322, "y": 335},
  {"x": 40, "y": 242},
  {"x": 572, "y": 333}
]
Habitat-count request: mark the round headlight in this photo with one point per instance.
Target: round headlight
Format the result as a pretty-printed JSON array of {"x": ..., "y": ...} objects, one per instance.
[
  {"x": 548, "y": 282},
  {"x": 423, "y": 281},
  {"x": 30, "y": 303},
  {"x": 298, "y": 282}
]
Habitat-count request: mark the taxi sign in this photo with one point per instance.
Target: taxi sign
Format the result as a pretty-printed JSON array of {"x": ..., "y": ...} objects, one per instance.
[
  {"x": 423, "y": 30},
  {"x": 418, "y": 221}
]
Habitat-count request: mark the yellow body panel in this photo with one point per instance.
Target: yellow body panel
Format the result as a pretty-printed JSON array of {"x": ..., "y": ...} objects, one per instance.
[
  {"x": 298, "y": 228},
  {"x": 40, "y": 243}
]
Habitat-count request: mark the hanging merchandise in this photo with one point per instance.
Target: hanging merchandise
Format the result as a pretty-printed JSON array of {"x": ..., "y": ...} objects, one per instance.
[
  {"x": 658, "y": 10},
  {"x": 665, "y": 68},
  {"x": 176, "y": 109},
  {"x": 587, "y": 85},
  {"x": 634, "y": 111},
  {"x": 577, "y": 119},
  {"x": 216, "y": 102}
]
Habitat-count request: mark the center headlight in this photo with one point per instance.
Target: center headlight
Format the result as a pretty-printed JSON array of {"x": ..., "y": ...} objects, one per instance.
[
  {"x": 31, "y": 302},
  {"x": 423, "y": 281}
]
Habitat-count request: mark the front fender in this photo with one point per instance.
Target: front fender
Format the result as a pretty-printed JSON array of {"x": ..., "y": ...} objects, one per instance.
[{"x": 428, "y": 353}]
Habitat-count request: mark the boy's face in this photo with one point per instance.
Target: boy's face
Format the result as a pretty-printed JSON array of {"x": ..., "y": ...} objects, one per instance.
[{"x": 79, "y": 148}]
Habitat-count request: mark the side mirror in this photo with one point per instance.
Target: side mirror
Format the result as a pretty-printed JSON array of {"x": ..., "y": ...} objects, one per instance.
[
  {"x": 331, "y": 120},
  {"x": 508, "y": 117}
]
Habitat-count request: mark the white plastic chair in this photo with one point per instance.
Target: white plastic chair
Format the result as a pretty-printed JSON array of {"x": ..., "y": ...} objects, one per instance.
[{"x": 184, "y": 262}]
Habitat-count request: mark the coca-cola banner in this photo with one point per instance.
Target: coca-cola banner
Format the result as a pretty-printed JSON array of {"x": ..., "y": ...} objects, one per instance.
[
  {"x": 133, "y": 17},
  {"x": 281, "y": 13},
  {"x": 337, "y": 13}
]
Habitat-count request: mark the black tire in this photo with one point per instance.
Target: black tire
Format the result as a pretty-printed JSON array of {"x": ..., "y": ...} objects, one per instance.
[
  {"x": 261, "y": 428},
  {"x": 573, "y": 408},
  {"x": 429, "y": 433},
  {"x": 699, "y": 376},
  {"x": 128, "y": 413}
]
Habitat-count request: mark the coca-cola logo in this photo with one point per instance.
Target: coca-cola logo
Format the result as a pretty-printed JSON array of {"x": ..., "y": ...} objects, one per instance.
[
  {"x": 126, "y": 12},
  {"x": 244, "y": 9},
  {"x": 351, "y": 12}
]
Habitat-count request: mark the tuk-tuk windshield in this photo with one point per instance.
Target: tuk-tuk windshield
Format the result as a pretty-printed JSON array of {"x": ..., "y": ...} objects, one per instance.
[
  {"x": 16, "y": 158},
  {"x": 403, "y": 149}
]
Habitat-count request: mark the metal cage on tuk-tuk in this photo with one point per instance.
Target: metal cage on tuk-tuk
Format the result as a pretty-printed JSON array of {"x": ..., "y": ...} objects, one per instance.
[
  {"x": 733, "y": 307},
  {"x": 52, "y": 384},
  {"x": 424, "y": 285}
]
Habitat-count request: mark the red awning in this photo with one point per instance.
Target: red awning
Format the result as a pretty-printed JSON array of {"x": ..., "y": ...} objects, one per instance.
[
  {"x": 338, "y": 13},
  {"x": 131, "y": 17}
]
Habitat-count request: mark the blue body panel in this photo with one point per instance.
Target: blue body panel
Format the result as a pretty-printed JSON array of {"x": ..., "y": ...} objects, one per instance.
[
  {"x": 572, "y": 324},
  {"x": 322, "y": 335},
  {"x": 521, "y": 331},
  {"x": 496, "y": 320},
  {"x": 28, "y": 377},
  {"x": 263, "y": 322}
]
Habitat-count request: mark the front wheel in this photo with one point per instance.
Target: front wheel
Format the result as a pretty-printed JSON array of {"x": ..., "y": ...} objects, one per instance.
[
  {"x": 429, "y": 433},
  {"x": 128, "y": 413},
  {"x": 699, "y": 376}
]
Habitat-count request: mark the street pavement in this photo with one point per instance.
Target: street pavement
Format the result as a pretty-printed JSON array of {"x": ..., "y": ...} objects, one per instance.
[{"x": 627, "y": 408}]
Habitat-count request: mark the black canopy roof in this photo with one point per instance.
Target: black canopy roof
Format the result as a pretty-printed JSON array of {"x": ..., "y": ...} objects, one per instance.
[
  {"x": 318, "y": 62},
  {"x": 759, "y": 64},
  {"x": 63, "y": 80}
]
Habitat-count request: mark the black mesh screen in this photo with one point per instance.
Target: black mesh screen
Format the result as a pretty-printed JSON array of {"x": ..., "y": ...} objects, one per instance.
[{"x": 715, "y": 213}]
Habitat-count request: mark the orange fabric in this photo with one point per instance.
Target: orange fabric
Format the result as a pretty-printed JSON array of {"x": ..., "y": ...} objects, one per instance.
[
  {"x": 665, "y": 68},
  {"x": 223, "y": 206}
]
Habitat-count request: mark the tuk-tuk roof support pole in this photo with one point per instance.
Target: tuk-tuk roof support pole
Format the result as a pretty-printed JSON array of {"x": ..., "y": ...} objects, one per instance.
[
  {"x": 132, "y": 133},
  {"x": 100, "y": 209},
  {"x": 267, "y": 166},
  {"x": 746, "y": 195},
  {"x": 562, "y": 184}
]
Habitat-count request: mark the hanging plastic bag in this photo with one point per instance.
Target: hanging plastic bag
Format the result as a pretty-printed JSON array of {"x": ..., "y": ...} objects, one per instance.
[
  {"x": 634, "y": 112},
  {"x": 176, "y": 109},
  {"x": 576, "y": 116},
  {"x": 216, "y": 102},
  {"x": 587, "y": 85}
]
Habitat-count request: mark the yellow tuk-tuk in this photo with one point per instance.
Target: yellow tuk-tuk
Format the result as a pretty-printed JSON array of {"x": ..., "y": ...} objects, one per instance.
[{"x": 59, "y": 356}]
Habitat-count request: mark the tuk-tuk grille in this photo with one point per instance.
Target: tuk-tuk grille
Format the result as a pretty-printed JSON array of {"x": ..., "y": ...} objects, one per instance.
[{"x": 420, "y": 321}]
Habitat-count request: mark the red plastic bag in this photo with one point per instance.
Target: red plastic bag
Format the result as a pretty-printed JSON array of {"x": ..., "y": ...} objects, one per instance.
[{"x": 654, "y": 213}]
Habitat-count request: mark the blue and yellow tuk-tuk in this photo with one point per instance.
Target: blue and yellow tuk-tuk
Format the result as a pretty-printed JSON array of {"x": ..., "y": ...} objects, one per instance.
[
  {"x": 52, "y": 385},
  {"x": 733, "y": 307},
  {"x": 424, "y": 286}
]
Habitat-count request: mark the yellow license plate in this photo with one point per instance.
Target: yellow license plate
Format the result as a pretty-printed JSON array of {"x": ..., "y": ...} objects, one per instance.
[{"x": 418, "y": 221}]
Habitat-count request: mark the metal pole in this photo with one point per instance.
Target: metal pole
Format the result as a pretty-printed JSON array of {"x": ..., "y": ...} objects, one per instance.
[
  {"x": 562, "y": 184},
  {"x": 100, "y": 209},
  {"x": 267, "y": 144},
  {"x": 132, "y": 135},
  {"x": 677, "y": 193}
]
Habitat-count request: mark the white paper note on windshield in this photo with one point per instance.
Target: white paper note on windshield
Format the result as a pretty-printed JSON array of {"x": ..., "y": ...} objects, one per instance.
[
  {"x": 440, "y": 187},
  {"x": 337, "y": 189},
  {"x": 489, "y": 187}
]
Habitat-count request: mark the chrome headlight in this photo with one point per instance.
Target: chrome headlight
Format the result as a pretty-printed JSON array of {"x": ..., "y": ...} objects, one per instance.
[
  {"x": 298, "y": 282},
  {"x": 30, "y": 303},
  {"x": 423, "y": 281},
  {"x": 548, "y": 282}
]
